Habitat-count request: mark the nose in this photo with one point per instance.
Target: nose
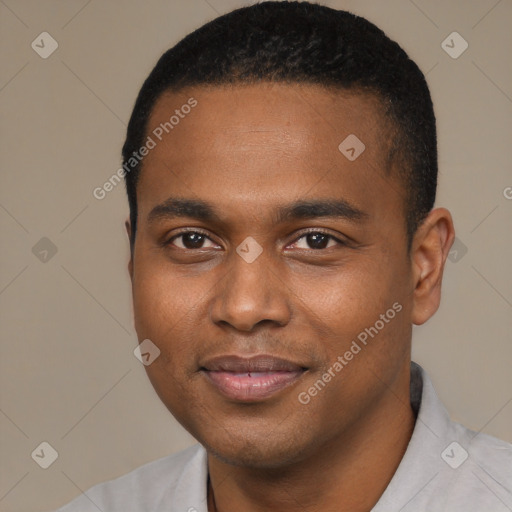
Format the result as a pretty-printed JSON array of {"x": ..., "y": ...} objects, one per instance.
[{"x": 250, "y": 294}]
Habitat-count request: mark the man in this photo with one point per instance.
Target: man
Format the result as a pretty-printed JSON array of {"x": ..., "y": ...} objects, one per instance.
[{"x": 281, "y": 171}]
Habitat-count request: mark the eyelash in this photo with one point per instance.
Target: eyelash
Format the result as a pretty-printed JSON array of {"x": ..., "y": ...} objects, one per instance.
[{"x": 303, "y": 234}]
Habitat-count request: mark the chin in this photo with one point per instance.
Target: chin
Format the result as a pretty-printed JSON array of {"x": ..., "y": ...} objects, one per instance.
[{"x": 263, "y": 451}]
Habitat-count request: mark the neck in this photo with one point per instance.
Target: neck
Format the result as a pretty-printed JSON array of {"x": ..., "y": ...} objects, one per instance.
[{"x": 348, "y": 473}]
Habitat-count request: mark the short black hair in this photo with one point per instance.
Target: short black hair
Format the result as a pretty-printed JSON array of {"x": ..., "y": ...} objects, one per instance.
[{"x": 303, "y": 43}]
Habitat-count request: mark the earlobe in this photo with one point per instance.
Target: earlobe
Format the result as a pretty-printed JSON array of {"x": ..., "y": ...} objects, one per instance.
[{"x": 430, "y": 249}]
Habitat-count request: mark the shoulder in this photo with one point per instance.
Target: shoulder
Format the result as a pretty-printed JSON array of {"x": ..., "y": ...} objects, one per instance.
[
  {"x": 475, "y": 468},
  {"x": 489, "y": 455},
  {"x": 141, "y": 489},
  {"x": 447, "y": 467},
  {"x": 479, "y": 471}
]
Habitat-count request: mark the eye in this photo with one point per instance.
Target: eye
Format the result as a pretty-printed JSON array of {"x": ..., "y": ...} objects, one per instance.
[
  {"x": 317, "y": 240},
  {"x": 191, "y": 240}
]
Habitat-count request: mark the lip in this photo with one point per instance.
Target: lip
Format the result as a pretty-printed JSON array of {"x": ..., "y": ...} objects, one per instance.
[{"x": 251, "y": 379}]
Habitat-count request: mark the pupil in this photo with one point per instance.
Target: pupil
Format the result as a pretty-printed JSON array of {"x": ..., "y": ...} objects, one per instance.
[
  {"x": 317, "y": 240},
  {"x": 193, "y": 240}
]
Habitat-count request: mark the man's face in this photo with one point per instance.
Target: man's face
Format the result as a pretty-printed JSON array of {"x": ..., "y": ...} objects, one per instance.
[{"x": 252, "y": 305}]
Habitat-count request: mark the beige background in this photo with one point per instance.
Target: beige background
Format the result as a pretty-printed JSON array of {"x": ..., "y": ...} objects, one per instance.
[{"x": 68, "y": 374}]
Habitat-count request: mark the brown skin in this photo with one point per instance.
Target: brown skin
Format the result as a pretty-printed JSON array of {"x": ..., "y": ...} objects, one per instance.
[{"x": 247, "y": 150}]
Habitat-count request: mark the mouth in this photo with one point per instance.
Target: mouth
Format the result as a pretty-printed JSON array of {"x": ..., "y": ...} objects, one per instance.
[{"x": 251, "y": 379}]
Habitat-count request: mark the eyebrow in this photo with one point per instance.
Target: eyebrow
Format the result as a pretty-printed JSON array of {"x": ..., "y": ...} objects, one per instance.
[{"x": 175, "y": 207}]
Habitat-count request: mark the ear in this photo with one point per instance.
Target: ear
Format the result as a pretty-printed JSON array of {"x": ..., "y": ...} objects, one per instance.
[
  {"x": 430, "y": 248},
  {"x": 128, "y": 227}
]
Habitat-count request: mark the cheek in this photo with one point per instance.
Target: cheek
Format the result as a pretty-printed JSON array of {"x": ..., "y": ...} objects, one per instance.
[
  {"x": 167, "y": 310},
  {"x": 162, "y": 302},
  {"x": 164, "y": 310},
  {"x": 347, "y": 297},
  {"x": 359, "y": 303}
]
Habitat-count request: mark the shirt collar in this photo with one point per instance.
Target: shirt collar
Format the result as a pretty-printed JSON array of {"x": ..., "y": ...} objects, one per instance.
[{"x": 422, "y": 457}]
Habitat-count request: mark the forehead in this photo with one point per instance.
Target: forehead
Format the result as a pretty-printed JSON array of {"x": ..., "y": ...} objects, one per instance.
[
  {"x": 290, "y": 114},
  {"x": 256, "y": 142}
]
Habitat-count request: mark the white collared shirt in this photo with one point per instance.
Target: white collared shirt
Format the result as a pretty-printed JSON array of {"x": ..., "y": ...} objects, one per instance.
[{"x": 446, "y": 468}]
